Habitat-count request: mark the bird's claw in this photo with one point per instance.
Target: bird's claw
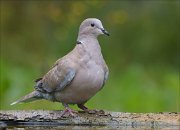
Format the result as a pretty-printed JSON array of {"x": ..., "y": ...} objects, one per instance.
[
  {"x": 91, "y": 111},
  {"x": 97, "y": 112},
  {"x": 67, "y": 112}
]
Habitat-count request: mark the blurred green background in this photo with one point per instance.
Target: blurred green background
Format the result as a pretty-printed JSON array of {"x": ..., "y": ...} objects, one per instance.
[{"x": 142, "y": 52}]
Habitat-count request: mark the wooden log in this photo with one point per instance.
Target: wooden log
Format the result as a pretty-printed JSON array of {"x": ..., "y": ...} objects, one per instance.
[{"x": 104, "y": 120}]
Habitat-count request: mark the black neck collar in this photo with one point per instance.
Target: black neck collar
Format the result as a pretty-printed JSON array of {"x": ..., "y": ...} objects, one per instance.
[{"x": 78, "y": 42}]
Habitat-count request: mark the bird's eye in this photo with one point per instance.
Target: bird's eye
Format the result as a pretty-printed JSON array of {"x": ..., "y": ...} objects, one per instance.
[{"x": 92, "y": 24}]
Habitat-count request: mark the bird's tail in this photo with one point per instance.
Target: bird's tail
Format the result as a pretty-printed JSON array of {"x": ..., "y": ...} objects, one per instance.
[{"x": 35, "y": 95}]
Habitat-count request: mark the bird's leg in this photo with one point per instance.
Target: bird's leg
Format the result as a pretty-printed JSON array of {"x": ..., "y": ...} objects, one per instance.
[
  {"x": 67, "y": 111},
  {"x": 84, "y": 108}
]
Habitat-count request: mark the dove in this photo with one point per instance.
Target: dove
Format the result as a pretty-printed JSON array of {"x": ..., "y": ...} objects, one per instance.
[{"x": 76, "y": 77}]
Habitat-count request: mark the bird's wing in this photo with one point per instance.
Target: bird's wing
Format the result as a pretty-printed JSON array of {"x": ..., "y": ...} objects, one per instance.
[
  {"x": 60, "y": 76},
  {"x": 106, "y": 72}
]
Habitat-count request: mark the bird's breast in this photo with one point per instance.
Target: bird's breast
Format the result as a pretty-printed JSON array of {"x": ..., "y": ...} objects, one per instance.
[
  {"x": 87, "y": 82},
  {"x": 91, "y": 73}
]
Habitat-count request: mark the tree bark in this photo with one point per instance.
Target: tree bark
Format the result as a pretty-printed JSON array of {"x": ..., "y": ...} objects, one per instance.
[{"x": 101, "y": 119}]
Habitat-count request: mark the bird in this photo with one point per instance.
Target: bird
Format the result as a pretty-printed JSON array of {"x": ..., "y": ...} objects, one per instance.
[{"x": 76, "y": 77}]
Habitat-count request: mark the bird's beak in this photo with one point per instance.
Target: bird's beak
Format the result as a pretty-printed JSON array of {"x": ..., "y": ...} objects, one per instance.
[{"x": 105, "y": 32}]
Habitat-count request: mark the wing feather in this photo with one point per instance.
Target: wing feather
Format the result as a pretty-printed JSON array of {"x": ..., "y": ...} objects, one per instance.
[{"x": 60, "y": 76}]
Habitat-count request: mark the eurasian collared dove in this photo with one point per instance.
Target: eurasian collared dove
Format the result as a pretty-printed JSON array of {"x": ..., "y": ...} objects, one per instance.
[{"x": 77, "y": 76}]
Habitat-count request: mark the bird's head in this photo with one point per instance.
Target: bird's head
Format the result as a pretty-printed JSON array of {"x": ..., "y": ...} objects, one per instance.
[{"x": 92, "y": 26}]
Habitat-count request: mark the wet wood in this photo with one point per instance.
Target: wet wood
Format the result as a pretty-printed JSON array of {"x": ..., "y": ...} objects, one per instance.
[{"x": 100, "y": 119}]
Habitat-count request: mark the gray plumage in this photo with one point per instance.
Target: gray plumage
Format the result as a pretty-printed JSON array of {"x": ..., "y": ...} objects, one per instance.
[{"x": 77, "y": 76}]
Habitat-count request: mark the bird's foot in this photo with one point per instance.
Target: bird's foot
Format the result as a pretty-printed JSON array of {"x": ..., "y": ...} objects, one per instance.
[
  {"x": 68, "y": 112},
  {"x": 97, "y": 112},
  {"x": 103, "y": 113},
  {"x": 85, "y": 109},
  {"x": 90, "y": 111}
]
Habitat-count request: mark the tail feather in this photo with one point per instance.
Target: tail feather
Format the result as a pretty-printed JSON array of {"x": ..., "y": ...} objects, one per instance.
[{"x": 35, "y": 95}]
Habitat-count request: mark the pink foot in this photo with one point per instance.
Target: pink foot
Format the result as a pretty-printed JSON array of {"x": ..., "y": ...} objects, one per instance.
[{"x": 68, "y": 112}]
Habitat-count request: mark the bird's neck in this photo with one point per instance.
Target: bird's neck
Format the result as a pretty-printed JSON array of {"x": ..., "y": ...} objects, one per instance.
[
  {"x": 90, "y": 44},
  {"x": 86, "y": 37}
]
